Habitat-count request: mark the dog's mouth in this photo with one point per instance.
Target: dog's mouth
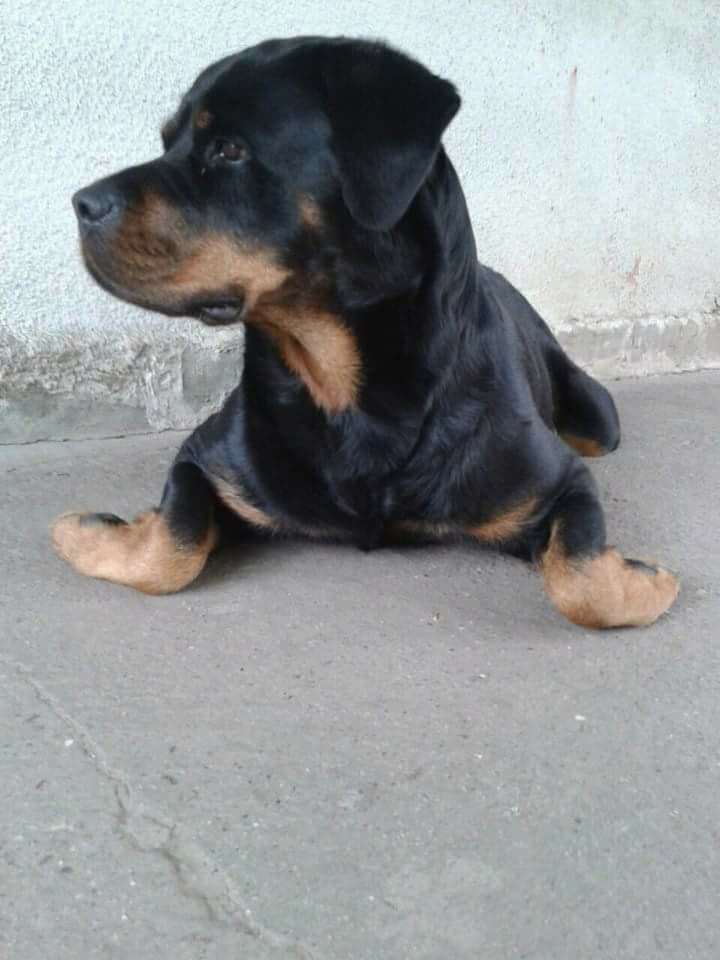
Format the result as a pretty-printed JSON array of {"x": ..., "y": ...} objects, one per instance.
[{"x": 215, "y": 311}]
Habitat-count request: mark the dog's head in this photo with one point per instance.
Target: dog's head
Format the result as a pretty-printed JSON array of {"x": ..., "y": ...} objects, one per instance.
[{"x": 273, "y": 156}]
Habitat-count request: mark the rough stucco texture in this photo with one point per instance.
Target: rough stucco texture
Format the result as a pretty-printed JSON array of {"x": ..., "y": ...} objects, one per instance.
[{"x": 588, "y": 145}]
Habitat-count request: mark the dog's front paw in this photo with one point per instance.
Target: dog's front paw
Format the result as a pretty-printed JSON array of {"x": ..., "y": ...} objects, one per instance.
[
  {"x": 83, "y": 539},
  {"x": 651, "y": 588},
  {"x": 144, "y": 554}
]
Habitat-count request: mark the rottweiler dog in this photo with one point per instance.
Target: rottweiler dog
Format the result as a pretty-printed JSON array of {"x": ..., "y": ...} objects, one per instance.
[{"x": 392, "y": 387}]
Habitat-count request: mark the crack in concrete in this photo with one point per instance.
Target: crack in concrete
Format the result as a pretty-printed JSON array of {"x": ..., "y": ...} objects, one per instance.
[{"x": 149, "y": 830}]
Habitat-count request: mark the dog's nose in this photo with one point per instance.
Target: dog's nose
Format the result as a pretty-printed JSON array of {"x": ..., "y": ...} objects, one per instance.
[{"x": 95, "y": 204}]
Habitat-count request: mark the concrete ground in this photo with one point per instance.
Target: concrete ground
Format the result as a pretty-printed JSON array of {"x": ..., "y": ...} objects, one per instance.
[{"x": 316, "y": 753}]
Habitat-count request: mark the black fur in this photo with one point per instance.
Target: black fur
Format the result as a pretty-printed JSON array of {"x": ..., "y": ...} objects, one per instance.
[{"x": 464, "y": 388}]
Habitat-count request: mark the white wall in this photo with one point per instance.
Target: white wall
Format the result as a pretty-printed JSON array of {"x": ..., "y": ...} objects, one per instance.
[{"x": 588, "y": 144}]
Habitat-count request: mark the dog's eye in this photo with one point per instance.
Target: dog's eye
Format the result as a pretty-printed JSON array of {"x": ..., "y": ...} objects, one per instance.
[{"x": 230, "y": 152}]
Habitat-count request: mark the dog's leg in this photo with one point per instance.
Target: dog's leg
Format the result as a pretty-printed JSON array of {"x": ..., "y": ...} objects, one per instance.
[
  {"x": 585, "y": 413},
  {"x": 161, "y": 551},
  {"x": 590, "y": 583}
]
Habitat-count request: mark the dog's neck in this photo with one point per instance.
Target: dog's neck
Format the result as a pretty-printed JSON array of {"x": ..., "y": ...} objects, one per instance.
[
  {"x": 430, "y": 253},
  {"x": 384, "y": 333},
  {"x": 410, "y": 308},
  {"x": 454, "y": 256}
]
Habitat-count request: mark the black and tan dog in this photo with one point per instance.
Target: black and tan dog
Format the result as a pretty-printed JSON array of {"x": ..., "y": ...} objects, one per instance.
[{"x": 392, "y": 386}]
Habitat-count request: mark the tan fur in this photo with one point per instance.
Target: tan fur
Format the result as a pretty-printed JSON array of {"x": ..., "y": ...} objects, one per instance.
[
  {"x": 219, "y": 263},
  {"x": 309, "y": 212},
  {"x": 203, "y": 120},
  {"x": 583, "y": 445},
  {"x": 141, "y": 554},
  {"x": 235, "y": 499},
  {"x": 157, "y": 259},
  {"x": 155, "y": 226},
  {"x": 316, "y": 346},
  {"x": 505, "y": 525},
  {"x": 603, "y": 591},
  {"x": 424, "y": 529}
]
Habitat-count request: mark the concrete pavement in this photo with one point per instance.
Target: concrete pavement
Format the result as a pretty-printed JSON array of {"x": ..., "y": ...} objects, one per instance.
[{"x": 316, "y": 753}]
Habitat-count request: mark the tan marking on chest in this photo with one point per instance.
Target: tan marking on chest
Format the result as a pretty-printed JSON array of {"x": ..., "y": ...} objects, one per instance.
[
  {"x": 414, "y": 530},
  {"x": 505, "y": 525},
  {"x": 235, "y": 499},
  {"x": 319, "y": 349}
]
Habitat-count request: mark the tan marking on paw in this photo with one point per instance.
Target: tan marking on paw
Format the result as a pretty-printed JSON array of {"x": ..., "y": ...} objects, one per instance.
[
  {"x": 604, "y": 591},
  {"x": 142, "y": 554}
]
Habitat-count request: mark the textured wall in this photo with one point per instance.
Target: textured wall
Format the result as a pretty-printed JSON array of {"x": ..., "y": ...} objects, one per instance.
[{"x": 588, "y": 144}]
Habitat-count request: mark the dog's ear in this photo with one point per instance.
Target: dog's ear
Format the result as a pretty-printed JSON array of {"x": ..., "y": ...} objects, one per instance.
[{"x": 388, "y": 114}]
